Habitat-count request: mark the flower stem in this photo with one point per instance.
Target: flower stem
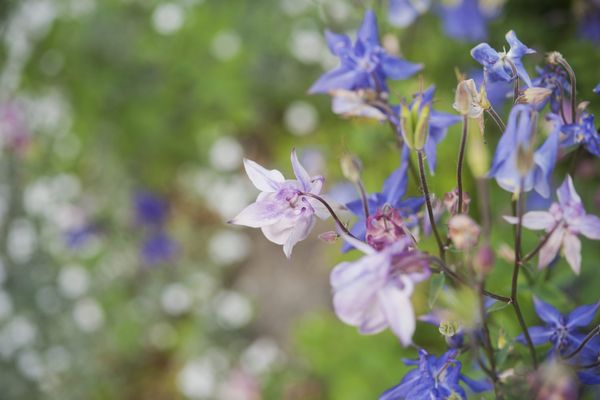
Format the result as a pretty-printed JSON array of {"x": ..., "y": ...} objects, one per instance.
[
  {"x": 487, "y": 343},
  {"x": 365, "y": 203},
  {"x": 573, "y": 81},
  {"x": 333, "y": 214},
  {"x": 461, "y": 156},
  {"x": 539, "y": 246},
  {"x": 441, "y": 247},
  {"x": 496, "y": 118},
  {"x": 584, "y": 342},
  {"x": 515, "y": 277},
  {"x": 515, "y": 76}
]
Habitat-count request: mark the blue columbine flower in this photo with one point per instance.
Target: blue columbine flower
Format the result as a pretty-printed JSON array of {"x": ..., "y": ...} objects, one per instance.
[
  {"x": 515, "y": 144},
  {"x": 158, "y": 248},
  {"x": 597, "y": 89},
  {"x": 366, "y": 65},
  {"x": 463, "y": 20},
  {"x": 498, "y": 65},
  {"x": 590, "y": 359},
  {"x": 403, "y": 13},
  {"x": 562, "y": 331},
  {"x": 555, "y": 79},
  {"x": 150, "y": 209},
  {"x": 434, "y": 379},
  {"x": 583, "y": 132},
  {"x": 394, "y": 189}
]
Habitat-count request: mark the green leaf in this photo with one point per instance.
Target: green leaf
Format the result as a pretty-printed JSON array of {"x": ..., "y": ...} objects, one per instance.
[
  {"x": 497, "y": 306},
  {"x": 435, "y": 287}
]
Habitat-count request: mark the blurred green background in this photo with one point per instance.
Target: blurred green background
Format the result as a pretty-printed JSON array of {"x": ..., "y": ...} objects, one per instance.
[{"x": 118, "y": 97}]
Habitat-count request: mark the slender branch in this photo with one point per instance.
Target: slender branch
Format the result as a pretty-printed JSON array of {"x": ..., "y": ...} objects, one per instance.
[
  {"x": 539, "y": 246},
  {"x": 441, "y": 248},
  {"x": 583, "y": 343},
  {"x": 333, "y": 214},
  {"x": 487, "y": 343},
  {"x": 515, "y": 277},
  {"x": 363, "y": 198},
  {"x": 496, "y": 118},
  {"x": 461, "y": 156}
]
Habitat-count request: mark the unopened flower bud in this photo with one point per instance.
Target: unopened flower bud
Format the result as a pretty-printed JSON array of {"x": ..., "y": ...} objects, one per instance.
[
  {"x": 351, "y": 167},
  {"x": 554, "y": 58},
  {"x": 535, "y": 96},
  {"x": 329, "y": 236},
  {"x": 422, "y": 128},
  {"x": 484, "y": 260},
  {"x": 406, "y": 125},
  {"x": 463, "y": 99},
  {"x": 451, "y": 202},
  {"x": 463, "y": 231},
  {"x": 448, "y": 328}
]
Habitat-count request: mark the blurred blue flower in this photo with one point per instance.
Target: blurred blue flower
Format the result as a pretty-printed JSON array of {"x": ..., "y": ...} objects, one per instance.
[
  {"x": 77, "y": 237},
  {"x": 150, "y": 209},
  {"x": 394, "y": 189},
  {"x": 590, "y": 359},
  {"x": 434, "y": 379},
  {"x": 583, "y": 132},
  {"x": 589, "y": 25},
  {"x": 366, "y": 65},
  {"x": 597, "y": 89},
  {"x": 556, "y": 80},
  {"x": 499, "y": 65},
  {"x": 562, "y": 331},
  {"x": 463, "y": 20},
  {"x": 403, "y": 13},
  {"x": 158, "y": 248},
  {"x": 515, "y": 144}
]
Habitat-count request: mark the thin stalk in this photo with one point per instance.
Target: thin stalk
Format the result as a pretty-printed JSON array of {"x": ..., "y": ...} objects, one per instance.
[
  {"x": 441, "y": 248},
  {"x": 461, "y": 157},
  {"x": 539, "y": 246},
  {"x": 333, "y": 214},
  {"x": 573, "y": 81},
  {"x": 496, "y": 118},
  {"x": 365, "y": 203},
  {"x": 487, "y": 343},
  {"x": 584, "y": 342},
  {"x": 483, "y": 191},
  {"x": 515, "y": 278}
]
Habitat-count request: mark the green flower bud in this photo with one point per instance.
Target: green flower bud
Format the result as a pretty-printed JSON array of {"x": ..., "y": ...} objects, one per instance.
[{"x": 422, "y": 128}]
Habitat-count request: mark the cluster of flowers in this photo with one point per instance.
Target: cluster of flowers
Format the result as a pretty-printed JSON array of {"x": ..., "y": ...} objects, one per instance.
[{"x": 374, "y": 292}]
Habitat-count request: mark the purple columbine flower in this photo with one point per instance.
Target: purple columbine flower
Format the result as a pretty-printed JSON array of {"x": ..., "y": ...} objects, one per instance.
[
  {"x": 516, "y": 143},
  {"x": 392, "y": 196},
  {"x": 158, "y": 248},
  {"x": 564, "y": 221},
  {"x": 282, "y": 210},
  {"x": 562, "y": 331},
  {"x": 373, "y": 292},
  {"x": 364, "y": 65},
  {"x": 583, "y": 133},
  {"x": 498, "y": 66},
  {"x": 150, "y": 209},
  {"x": 403, "y": 13},
  {"x": 434, "y": 379}
]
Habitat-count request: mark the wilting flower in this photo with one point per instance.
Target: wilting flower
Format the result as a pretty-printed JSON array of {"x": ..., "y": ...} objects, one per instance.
[
  {"x": 436, "y": 126},
  {"x": 463, "y": 231},
  {"x": 158, "y": 248},
  {"x": 564, "y": 221},
  {"x": 366, "y": 65},
  {"x": 434, "y": 379},
  {"x": 553, "y": 381},
  {"x": 402, "y": 13},
  {"x": 517, "y": 165},
  {"x": 499, "y": 65},
  {"x": 563, "y": 331},
  {"x": 391, "y": 196},
  {"x": 373, "y": 292},
  {"x": 282, "y": 210},
  {"x": 582, "y": 133}
]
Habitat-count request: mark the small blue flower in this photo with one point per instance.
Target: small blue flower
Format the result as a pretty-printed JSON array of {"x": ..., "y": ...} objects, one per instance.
[
  {"x": 149, "y": 209},
  {"x": 403, "y": 13},
  {"x": 582, "y": 133},
  {"x": 518, "y": 138},
  {"x": 498, "y": 66},
  {"x": 394, "y": 189},
  {"x": 562, "y": 331},
  {"x": 589, "y": 25},
  {"x": 366, "y": 65},
  {"x": 434, "y": 379},
  {"x": 158, "y": 248},
  {"x": 463, "y": 20}
]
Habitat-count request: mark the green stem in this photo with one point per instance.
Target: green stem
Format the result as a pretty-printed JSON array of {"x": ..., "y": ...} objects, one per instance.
[
  {"x": 441, "y": 248},
  {"x": 461, "y": 156}
]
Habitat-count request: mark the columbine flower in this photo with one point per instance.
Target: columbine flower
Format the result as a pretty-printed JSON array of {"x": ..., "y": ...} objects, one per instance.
[
  {"x": 373, "y": 292},
  {"x": 365, "y": 65},
  {"x": 451, "y": 202},
  {"x": 563, "y": 221},
  {"x": 434, "y": 379},
  {"x": 158, "y": 248},
  {"x": 582, "y": 133},
  {"x": 563, "y": 331},
  {"x": 402, "y": 13},
  {"x": 597, "y": 89},
  {"x": 436, "y": 127},
  {"x": 150, "y": 209},
  {"x": 498, "y": 66},
  {"x": 516, "y": 161},
  {"x": 356, "y": 104},
  {"x": 385, "y": 227},
  {"x": 555, "y": 79},
  {"x": 464, "y": 19},
  {"x": 391, "y": 196},
  {"x": 590, "y": 358},
  {"x": 282, "y": 211}
]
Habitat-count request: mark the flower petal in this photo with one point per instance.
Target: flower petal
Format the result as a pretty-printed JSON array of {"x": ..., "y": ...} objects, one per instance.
[
  {"x": 588, "y": 226},
  {"x": 582, "y": 316},
  {"x": 549, "y": 251},
  {"x": 337, "y": 43},
  {"x": 301, "y": 173},
  {"x": 534, "y": 220},
  {"x": 368, "y": 31},
  {"x": 545, "y": 160},
  {"x": 485, "y": 55},
  {"x": 340, "y": 78},
  {"x": 567, "y": 196},
  {"x": 546, "y": 312},
  {"x": 301, "y": 230},
  {"x": 259, "y": 214},
  {"x": 262, "y": 178},
  {"x": 478, "y": 386},
  {"x": 572, "y": 251},
  {"x": 538, "y": 334},
  {"x": 397, "y": 68},
  {"x": 398, "y": 310},
  {"x": 394, "y": 186}
]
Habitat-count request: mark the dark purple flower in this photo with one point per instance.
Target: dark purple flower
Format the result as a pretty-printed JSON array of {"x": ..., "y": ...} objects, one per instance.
[
  {"x": 158, "y": 248},
  {"x": 562, "y": 331},
  {"x": 364, "y": 65},
  {"x": 434, "y": 379}
]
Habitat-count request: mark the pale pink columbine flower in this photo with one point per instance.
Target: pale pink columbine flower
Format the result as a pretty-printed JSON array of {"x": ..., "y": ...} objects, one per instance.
[
  {"x": 373, "y": 292},
  {"x": 282, "y": 210},
  {"x": 565, "y": 219}
]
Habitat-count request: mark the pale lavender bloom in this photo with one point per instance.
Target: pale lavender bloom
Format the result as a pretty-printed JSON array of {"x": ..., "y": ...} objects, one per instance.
[
  {"x": 373, "y": 292},
  {"x": 565, "y": 219},
  {"x": 282, "y": 210}
]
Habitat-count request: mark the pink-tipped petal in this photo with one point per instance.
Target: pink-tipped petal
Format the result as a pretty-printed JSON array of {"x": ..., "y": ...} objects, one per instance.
[
  {"x": 534, "y": 220},
  {"x": 262, "y": 178}
]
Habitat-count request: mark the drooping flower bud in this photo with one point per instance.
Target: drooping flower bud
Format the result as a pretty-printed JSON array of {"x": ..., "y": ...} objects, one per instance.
[
  {"x": 451, "y": 202},
  {"x": 536, "y": 96},
  {"x": 463, "y": 231},
  {"x": 329, "y": 236},
  {"x": 554, "y": 58},
  {"x": 351, "y": 167}
]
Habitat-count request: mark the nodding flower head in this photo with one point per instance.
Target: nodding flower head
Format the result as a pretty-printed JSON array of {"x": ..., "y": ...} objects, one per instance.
[{"x": 385, "y": 227}]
